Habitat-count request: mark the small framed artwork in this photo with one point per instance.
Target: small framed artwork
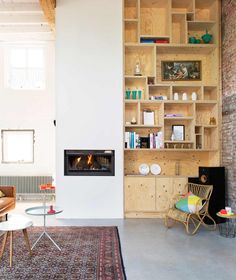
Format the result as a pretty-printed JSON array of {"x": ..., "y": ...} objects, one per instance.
[
  {"x": 181, "y": 70},
  {"x": 178, "y": 132}
]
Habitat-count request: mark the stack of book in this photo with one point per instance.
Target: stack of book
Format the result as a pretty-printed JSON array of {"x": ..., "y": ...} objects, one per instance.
[{"x": 153, "y": 141}]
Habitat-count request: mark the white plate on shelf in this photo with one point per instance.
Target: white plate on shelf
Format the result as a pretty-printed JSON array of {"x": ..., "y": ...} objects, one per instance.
[
  {"x": 155, "y": 169},
  {"x": 143, "y": 169}
]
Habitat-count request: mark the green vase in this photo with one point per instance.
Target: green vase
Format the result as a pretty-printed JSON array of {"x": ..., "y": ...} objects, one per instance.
[{"x": 206, "y": 38}]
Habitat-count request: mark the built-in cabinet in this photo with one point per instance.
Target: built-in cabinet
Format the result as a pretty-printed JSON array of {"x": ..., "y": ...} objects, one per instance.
[
  {"x": 151, "y": 196},
  {"x": 155, "y": 32}
]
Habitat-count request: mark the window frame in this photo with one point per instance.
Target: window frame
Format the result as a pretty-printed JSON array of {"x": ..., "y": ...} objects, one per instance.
[
  {"x": 8, "y": 68},
  {"x": 2, "y": 146}
]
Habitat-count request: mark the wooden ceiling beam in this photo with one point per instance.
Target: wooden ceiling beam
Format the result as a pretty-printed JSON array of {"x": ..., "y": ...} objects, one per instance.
[{"x": 48, "y": 7}]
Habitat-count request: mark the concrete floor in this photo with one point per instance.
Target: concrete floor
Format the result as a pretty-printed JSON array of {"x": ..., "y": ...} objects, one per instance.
[{"x": 151, "y": 252}]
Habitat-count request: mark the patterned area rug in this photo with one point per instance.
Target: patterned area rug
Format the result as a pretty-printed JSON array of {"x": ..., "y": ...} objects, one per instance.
[{"x": 88, "y": 253}]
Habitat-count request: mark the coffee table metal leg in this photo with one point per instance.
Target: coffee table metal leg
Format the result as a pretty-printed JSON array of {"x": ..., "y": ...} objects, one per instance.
[
  {"x": 46, "y": 234},
  {"x": 3, "y": 244},
  {"x": 11, "y": 247},
  {"x": 27, "y": 240},
  {"x": 52, "y": 241},
  {"x": 41, "y": 235}
]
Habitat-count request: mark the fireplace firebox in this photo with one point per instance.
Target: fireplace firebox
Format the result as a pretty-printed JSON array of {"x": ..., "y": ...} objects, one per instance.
[{"x": 89, "y": 162}]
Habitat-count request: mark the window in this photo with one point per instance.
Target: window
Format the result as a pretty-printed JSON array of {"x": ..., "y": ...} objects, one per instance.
[
  {"x": 26, "y": 68},
  {"x": 17, "y": 146}
]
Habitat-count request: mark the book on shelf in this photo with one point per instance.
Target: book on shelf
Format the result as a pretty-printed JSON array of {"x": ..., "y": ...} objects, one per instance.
[{"x": 153, "y": 141}]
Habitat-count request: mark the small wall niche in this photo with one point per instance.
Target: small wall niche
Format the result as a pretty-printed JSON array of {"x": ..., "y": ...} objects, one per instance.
[
  {"x": 144, "y": 55},
  {"x": 159, "y": 91},
  {"x": 198, "y": 29},
  {"x": 154, "y": 18},
  {"x": 131, "y": 31},
  {"x": 210, "y": 93},
  {"x": 206, "y": 10},
  {"x": 182, "y": 6},
  {"x": 131, "y": 9},
  {"x": 131, "y": 110},
  {"x": 179, "y": 29},
  {"x": 204, "y": 113},
  {"x": 188, "y": 90}
]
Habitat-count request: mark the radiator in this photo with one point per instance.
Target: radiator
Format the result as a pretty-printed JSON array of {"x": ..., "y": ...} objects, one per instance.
[{"x": 26, "y": 185}]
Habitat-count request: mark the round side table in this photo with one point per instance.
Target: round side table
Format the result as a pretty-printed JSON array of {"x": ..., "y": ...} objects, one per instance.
[
  {"x": 43, "y": 211},
  {"x": 228, "y": 228},
  {"x": 14, "y": 222}
]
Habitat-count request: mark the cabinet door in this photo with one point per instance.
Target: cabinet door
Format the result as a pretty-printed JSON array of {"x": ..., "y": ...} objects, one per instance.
[
  {"x": 164, "y": 192},
  {"x": 180, "y": 185},
  {"x": 139, "y": 194}
]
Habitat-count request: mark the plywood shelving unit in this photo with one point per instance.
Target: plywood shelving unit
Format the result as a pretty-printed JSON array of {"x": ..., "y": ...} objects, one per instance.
[{"x": 156, "y": 31}]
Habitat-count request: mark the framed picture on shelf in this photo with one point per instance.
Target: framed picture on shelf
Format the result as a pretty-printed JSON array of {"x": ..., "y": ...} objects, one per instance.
[
  {"x": 181, "y": 70},
  {"x": 179, "y": 132}
]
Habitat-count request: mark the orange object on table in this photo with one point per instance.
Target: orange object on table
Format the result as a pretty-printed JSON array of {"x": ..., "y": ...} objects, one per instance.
[{"x": 46, "y": 187}]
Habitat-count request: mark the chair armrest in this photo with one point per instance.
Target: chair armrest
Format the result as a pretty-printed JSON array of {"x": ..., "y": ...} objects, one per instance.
[{"x": 9, "y": 191}]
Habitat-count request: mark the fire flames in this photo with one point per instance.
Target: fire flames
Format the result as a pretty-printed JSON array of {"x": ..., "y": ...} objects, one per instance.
[{"x": 90, "y": 159}]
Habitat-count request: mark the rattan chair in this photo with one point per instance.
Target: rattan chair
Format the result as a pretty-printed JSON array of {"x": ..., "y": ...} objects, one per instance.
[{"x": 192, "y": 221}]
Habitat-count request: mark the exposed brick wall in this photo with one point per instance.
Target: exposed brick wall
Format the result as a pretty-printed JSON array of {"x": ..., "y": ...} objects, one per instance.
[{"x": 229, "y": 97}]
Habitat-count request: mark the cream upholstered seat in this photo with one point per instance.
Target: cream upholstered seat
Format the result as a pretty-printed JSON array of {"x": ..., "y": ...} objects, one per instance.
[{"x": 192, "y": 221}]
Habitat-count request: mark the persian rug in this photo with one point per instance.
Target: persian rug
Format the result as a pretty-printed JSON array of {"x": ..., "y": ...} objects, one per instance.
[{"x": 88, "y": 253}]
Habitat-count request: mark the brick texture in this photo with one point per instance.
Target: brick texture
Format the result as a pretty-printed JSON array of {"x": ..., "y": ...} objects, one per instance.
[{"x": 229, "y": 97}]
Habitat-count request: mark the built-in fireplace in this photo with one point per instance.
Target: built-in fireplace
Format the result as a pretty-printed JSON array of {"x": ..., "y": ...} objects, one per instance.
[{"x": 89, "y": 162}]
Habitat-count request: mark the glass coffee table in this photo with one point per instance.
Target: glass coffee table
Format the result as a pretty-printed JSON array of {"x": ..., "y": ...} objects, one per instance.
[{"x": 43, "y": 211}]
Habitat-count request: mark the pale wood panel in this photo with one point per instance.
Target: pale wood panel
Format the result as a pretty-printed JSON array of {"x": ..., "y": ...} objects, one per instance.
[
  {"x": 131, "y": 111},
  {"x": 141, "y": 54},
  {"x": 183, "y": 6},
  {"x": 131, "y": 32},
  {"x": 210, "y": 138},
  {"x": 180, "y": 185},
  {"x": 188, "y": 162},
  {"x": 139, "y": 194},
  {"x": 210, "y": 93},
  {"x": 206, "y": 111},
  {"x": 146, "y": 215},
  {"x": 155, "y": 17},
  {"x": 179, "y": 29},
  {"x": 130, "y": 9},
  {"x": 164, "y": 192},
  {"x": 186, "y": 109},
  {"x": 206, "y": 10}
]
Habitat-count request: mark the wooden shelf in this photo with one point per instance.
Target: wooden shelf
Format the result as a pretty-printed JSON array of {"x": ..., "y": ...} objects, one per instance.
[
  {"x": 175, "y": 21},
  {"x": 142, "y": 126},
  {"x": 178, "y": 118},
  {"x": 172, "y": 150},
  {"x": 131, "y": 20}
]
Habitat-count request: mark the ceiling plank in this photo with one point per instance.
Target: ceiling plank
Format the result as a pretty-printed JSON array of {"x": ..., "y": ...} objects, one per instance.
[
  {"x": 24, "y": 28},
  {"x": 22, "y": 19},
  {"x": 20, "y": 8}
]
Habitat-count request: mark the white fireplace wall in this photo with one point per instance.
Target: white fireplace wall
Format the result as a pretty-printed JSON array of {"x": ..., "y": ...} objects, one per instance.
[{"x": 89, "y": 103}]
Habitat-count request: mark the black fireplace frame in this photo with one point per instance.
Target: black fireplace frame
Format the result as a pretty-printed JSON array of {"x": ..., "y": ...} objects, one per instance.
[{"x": 68, "y": 153}]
